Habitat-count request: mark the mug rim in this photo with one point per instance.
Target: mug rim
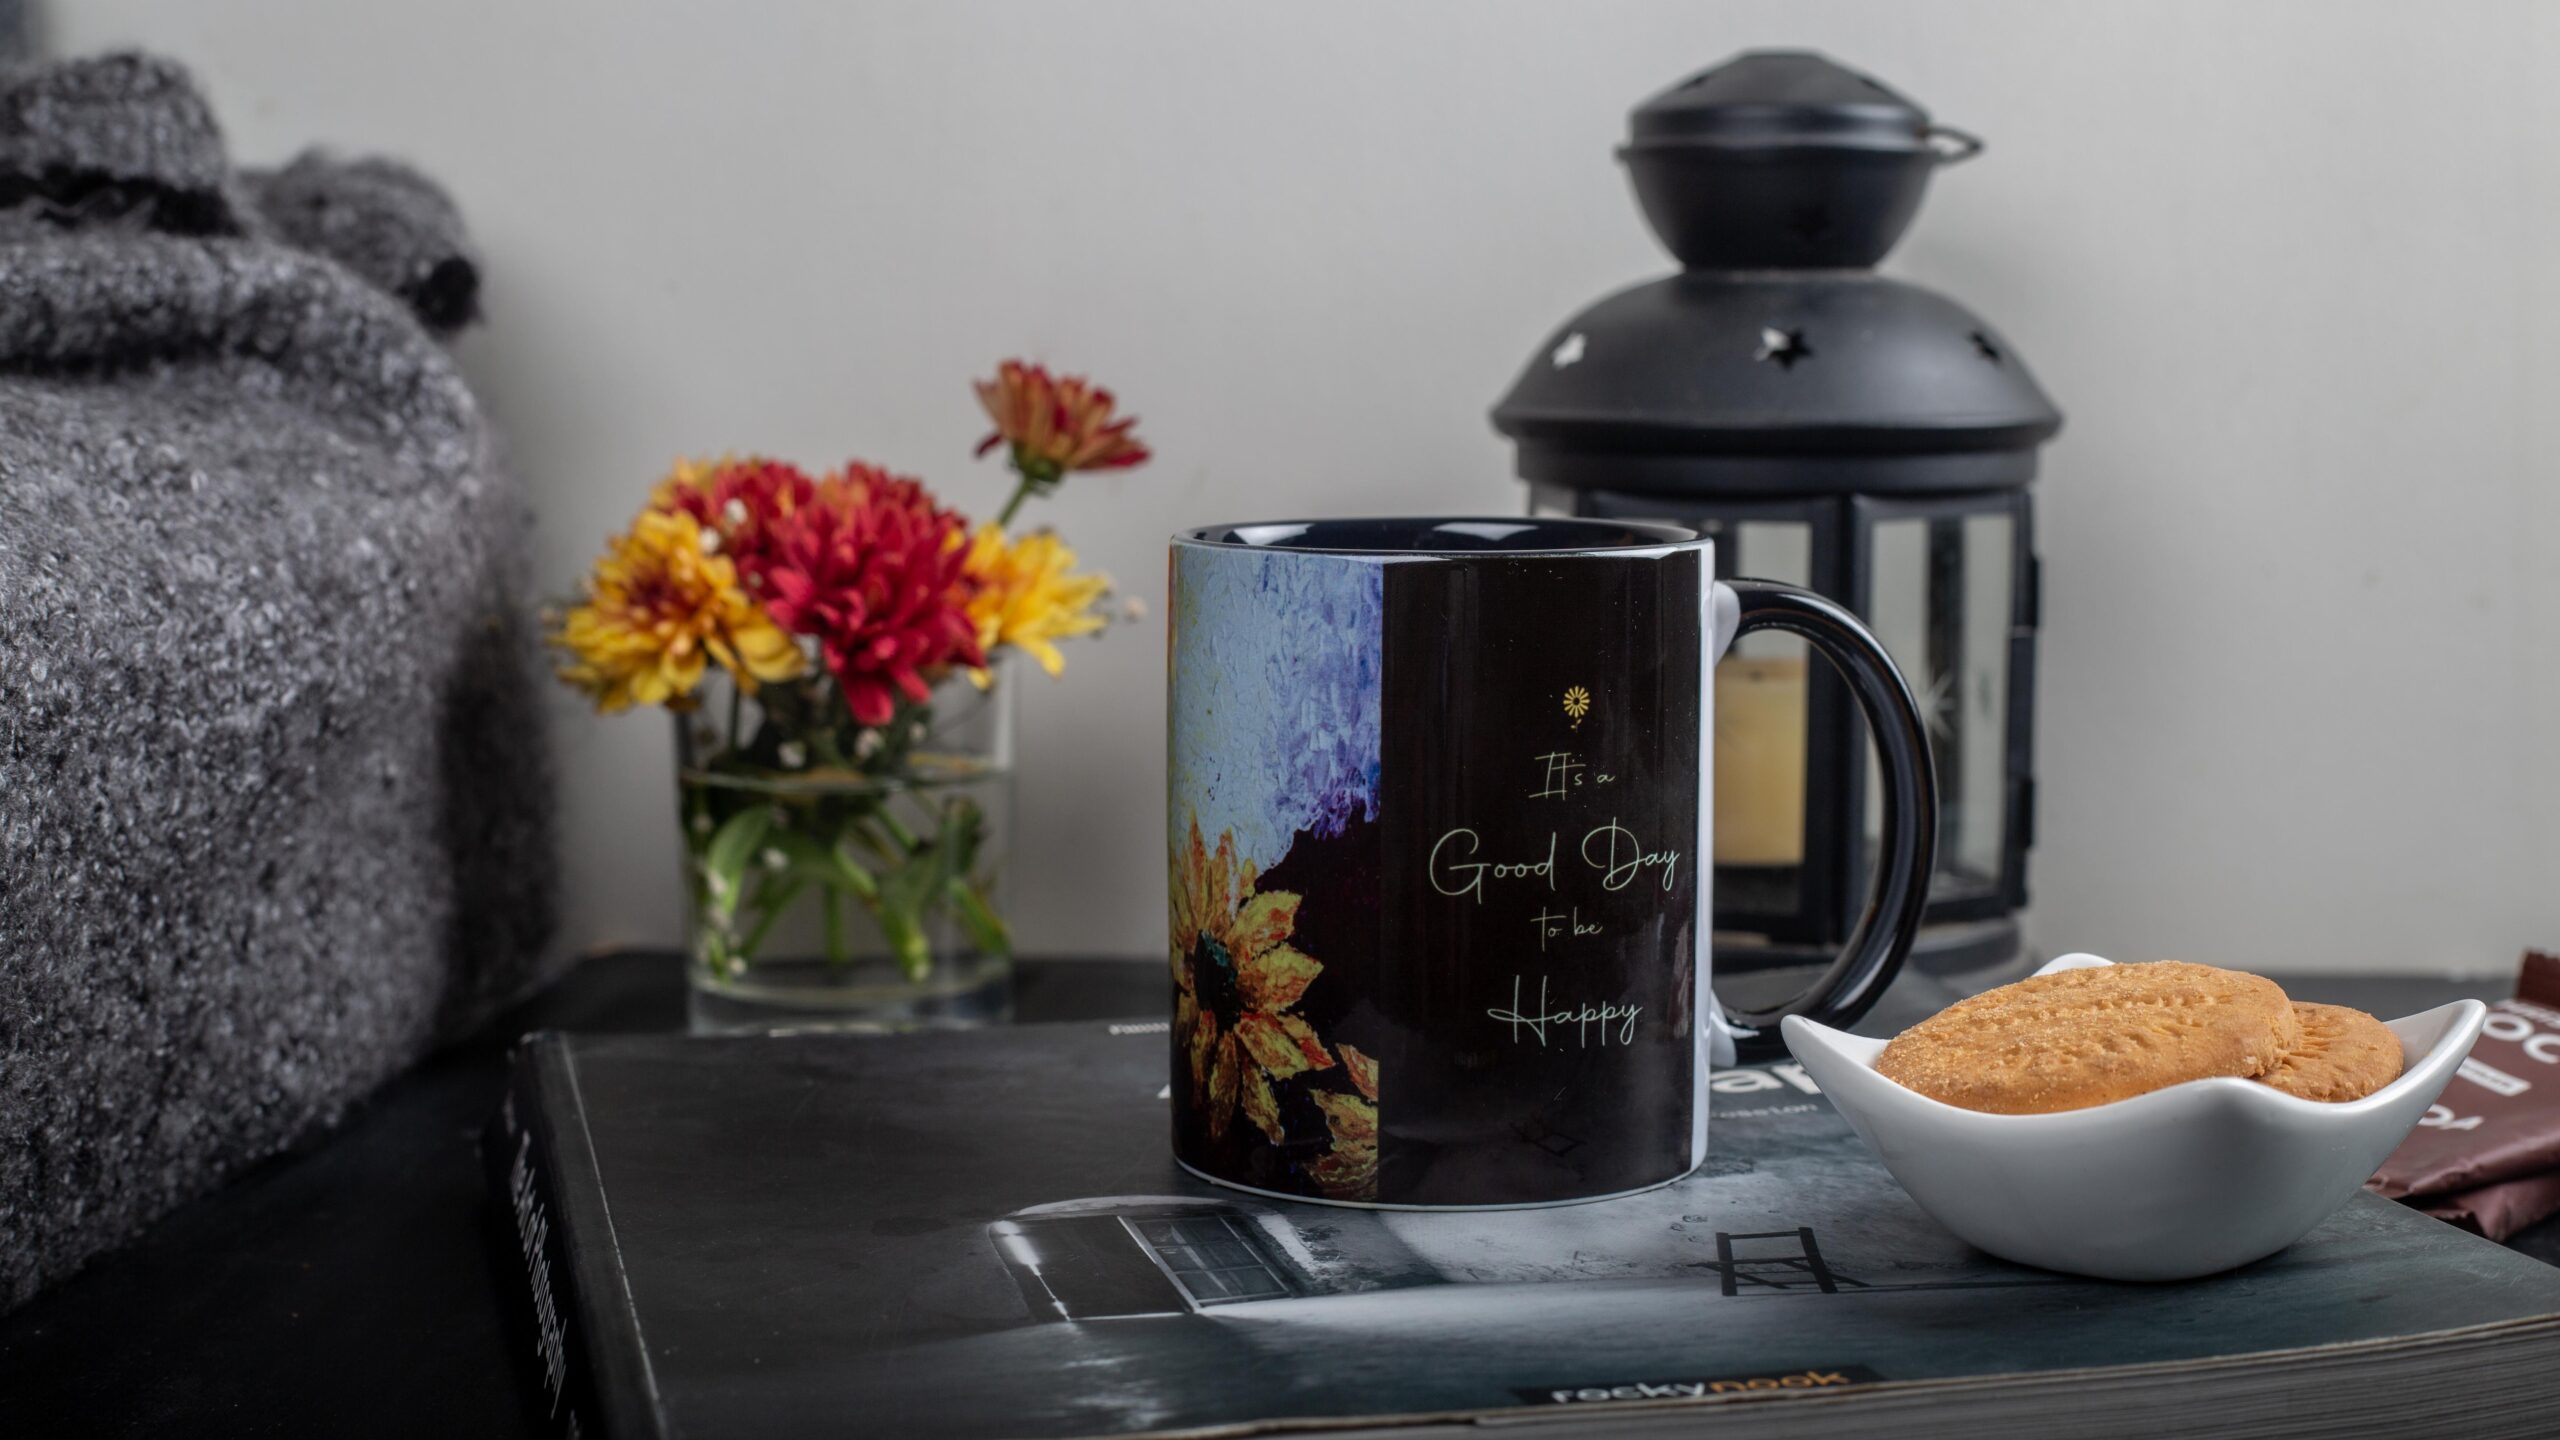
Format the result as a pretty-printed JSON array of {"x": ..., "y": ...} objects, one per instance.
[{"x": 1490, "y": 535}]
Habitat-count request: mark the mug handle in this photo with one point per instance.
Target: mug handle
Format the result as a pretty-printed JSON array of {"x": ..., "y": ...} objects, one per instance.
[{"x": 1908, "y": 846}]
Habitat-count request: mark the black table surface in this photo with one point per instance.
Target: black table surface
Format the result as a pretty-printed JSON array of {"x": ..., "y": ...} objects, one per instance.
[{"x": 351, "y": 1286}]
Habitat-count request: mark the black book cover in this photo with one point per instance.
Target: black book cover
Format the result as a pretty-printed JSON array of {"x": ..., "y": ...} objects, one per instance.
[
  {"x": 575, "y": 1312},
  {"x": 984, "y": 1234}
]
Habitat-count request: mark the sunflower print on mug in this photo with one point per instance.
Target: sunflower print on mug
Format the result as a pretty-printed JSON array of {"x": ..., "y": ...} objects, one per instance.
[{"x": 1237, "y": 982}]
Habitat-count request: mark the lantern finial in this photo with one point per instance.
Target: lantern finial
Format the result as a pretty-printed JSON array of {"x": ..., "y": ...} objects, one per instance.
[{"x": 1783, "y": 158}]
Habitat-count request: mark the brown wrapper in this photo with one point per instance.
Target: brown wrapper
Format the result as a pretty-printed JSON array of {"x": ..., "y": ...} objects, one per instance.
[
  {"x": 2499, "y": 1117},
  {"x": 2499, "y": 1210}
]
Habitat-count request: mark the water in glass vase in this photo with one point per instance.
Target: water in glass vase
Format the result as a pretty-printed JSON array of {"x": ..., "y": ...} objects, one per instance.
[{"x": 842, "y": 876}]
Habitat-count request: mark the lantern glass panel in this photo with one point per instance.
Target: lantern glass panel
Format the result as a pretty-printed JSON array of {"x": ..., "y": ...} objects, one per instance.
[
  {"x": 1761, "y": 715},
  {"x": 1784, "y": 824},
  {"x": 1940, "y": 598}
]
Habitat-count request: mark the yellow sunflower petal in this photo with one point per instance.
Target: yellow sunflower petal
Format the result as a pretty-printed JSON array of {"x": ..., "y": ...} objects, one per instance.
[
  {"x": 1226, "y": 1077},
  {"x": 1350, "y": 1170},
  {"x": 1204, "y": 1043},
  {"x": 1182, "y": 931},
  {"x": 1352, "y": 1120},
  {"x": 1347, "y": 1174},
  {"x": 1261, "y": 1106},
  {"x": 1275, "y": 978},
  {"x": 1217, "y": 918},
  {"x": 1363, "y": 1069},
  {"x": 1195, "y": 873},
  {"x": 1265, "y": 921},
  {"x": 1282, "y": 1044}
]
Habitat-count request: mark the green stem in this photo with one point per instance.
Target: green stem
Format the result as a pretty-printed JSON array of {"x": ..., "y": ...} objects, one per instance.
[
  {"x": 1021, "y": 492},
  {"x": 898, "y": 831},
  {"x": 831, "y": 901},
  {"x": 714, "y": 950},
  {"x": 746, "y": 950},
  {"x": 986, "y": 930},
  {"x": 768, "y": 885},
  {"x": 888, "y": 854},
  {"x": 734, "y": 694}
]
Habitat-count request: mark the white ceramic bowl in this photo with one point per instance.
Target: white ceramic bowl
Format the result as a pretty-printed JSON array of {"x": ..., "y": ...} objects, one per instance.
[{"x": 2180, "y": 1182}]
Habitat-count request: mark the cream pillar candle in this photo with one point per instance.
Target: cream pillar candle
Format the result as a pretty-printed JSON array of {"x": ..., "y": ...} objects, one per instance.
[{"x": 1760, "y": 718}]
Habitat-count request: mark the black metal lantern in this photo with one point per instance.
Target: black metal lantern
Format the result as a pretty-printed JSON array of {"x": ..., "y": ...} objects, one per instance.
[{"x": 1860, "y": 436}]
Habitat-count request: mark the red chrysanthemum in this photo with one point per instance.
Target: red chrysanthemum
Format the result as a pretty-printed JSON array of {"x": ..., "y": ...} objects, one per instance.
[
  {"x": 741, "y": 501},
  {"x": 872, "y": 568}
]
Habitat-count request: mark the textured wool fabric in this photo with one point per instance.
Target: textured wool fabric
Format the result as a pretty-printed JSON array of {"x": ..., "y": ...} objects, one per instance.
[
  {"x": 274, "y": 814},
  {"x": 384, "y": 221}
]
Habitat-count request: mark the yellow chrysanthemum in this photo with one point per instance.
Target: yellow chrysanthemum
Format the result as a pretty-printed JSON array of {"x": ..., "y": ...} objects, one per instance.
[
  {"x": 1028, "y": 596},
  {"x": 685, "y": 475},
  {"x": 658, "y": 607}
]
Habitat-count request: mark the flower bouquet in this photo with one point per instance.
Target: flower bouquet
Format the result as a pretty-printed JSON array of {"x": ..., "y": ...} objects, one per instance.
[{"x": 832, "y": 648}]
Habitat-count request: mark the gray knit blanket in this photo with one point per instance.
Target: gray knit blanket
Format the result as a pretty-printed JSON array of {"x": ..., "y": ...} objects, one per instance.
[{"x": 274, "y": 813}]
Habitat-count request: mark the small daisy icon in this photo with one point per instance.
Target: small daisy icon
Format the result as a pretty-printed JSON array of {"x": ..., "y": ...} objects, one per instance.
[{"x": 1577, "y": 703}]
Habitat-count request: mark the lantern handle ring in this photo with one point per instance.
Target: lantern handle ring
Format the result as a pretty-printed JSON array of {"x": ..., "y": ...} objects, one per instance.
[{"x": 1958, "y": 147}]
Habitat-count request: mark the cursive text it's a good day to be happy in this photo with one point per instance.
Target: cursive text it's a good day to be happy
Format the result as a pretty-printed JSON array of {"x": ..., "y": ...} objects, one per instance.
[{"x": 1542, "y": 879}]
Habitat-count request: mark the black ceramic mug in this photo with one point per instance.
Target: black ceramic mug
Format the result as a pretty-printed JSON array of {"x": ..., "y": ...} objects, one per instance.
[{"x": 1439, "y": 853}]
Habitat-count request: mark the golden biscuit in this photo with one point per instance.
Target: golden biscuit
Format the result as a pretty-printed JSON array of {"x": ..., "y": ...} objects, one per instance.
[
  {"x": 2077, "y": 1038},
  {"x": 2344, "y": 1055}
]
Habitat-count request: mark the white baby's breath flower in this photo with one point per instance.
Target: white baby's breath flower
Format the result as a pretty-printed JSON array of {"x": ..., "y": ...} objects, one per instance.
[
  {"x": 773, "y": 859},
  {"x": 734, "y": 513},
  {"x": 792, "y": 754},
  {"x": 866, "y": 745},
  {"x": 701, "y": 822}
]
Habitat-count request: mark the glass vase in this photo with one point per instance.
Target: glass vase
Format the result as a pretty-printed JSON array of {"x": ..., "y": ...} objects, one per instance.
[{"x": 841, "y": 876}]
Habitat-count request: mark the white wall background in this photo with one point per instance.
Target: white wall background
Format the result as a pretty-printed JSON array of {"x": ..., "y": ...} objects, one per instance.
[{"x": 2293, "y": 270}]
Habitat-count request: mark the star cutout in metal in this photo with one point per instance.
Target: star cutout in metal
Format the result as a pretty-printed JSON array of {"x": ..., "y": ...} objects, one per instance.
[
  {"x": 1784, "y": 346},
  {"x": 1939, "y": 706}
]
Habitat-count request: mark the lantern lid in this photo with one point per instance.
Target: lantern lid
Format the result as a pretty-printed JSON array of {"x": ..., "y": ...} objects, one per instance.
[
  {"x": 1780, "y": 98},
  {"x": 1719, "y": 382}
]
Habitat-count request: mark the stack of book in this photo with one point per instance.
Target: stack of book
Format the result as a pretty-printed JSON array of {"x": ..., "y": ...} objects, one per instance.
[{"x": 984, "y": 1235}]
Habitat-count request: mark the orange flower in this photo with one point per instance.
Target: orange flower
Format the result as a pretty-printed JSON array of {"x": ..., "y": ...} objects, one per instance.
[
  {"x": 659, "y": 605},
  {"x": 1056, "y": 425}
]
